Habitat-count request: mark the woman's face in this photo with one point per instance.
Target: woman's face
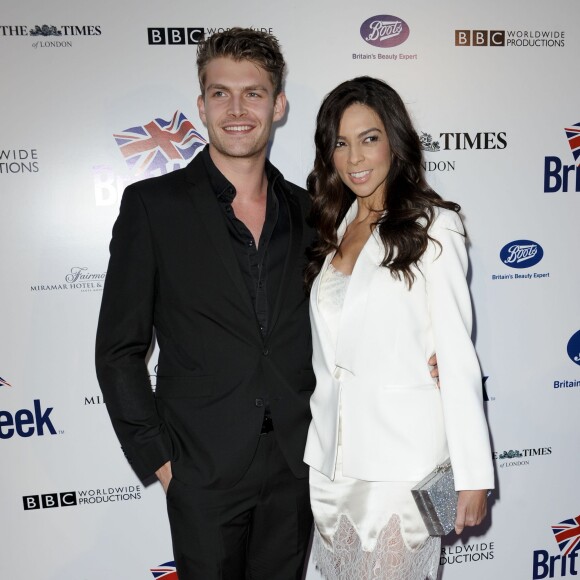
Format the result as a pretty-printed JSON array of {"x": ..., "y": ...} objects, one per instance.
[{"x": 362, "y": 154}]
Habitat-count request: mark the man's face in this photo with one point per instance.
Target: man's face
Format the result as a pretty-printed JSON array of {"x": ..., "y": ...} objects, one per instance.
[{"x": 239, "y": 107}]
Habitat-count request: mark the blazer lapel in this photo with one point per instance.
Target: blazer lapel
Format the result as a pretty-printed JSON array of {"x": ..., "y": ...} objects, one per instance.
[
  {"x": 293, "y": 254},
  {"x": 355, "y": 303},
  {"x": 209, "y": 212},
  {"x": 350, "y": 215}
]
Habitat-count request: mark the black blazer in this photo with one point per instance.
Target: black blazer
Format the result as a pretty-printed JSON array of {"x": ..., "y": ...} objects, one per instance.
[{"x": 173, "y": 269}]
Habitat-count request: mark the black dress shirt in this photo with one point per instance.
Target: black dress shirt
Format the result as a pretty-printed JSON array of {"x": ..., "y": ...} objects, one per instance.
[{"x": 262, "y": 267}]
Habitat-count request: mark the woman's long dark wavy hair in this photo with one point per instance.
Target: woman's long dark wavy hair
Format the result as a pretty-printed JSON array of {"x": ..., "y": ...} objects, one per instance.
[{"x": 408, "y": 200}]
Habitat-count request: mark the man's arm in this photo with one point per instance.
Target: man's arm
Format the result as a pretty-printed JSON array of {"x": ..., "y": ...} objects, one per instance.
[{"x": 124, "y": 336}]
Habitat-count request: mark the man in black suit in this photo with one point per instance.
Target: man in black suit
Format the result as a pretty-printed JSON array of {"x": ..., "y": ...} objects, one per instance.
[{"x": 211, "y": 257}]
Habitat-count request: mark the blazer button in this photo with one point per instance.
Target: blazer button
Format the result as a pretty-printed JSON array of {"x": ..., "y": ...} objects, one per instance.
[
  {"x": 266, "y": 351},
  {"x": 259, "y": 402}
]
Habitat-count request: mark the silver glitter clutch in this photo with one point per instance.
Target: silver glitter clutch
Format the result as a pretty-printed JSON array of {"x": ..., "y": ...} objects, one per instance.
[{"x": 436, "y": 499}]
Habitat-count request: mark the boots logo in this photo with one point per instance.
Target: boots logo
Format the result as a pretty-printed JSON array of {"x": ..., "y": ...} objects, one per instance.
[
  {"x": 521, "y": 254},
  {"x": 166, "y": 571},
  {"x": 573, "y": 348},
  {"x": 384, "y": 31},
  {"x": 567, "y": 536}
]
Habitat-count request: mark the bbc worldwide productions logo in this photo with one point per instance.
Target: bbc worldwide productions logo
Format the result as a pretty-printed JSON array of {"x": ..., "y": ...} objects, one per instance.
[
  {"x": 182, "y": 35},
  {"x": 82, "y": 497},
  {"x": 19, "y": 161},
  {"x": 510, "y": 38},
  {"x": 480, "y": 38},
  {"x": 49, "y": 500},
  {"x": 175, "y": 36}
]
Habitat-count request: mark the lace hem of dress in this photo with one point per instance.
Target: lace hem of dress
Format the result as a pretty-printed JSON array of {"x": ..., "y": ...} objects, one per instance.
[{"x": 391, "y": 558}]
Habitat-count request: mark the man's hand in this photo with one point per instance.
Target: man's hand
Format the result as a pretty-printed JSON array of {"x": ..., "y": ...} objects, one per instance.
[
  {"x": 434, "y": 368},
  {"x": 164, "y": 475},
  {"x": 471, "y": 508}
]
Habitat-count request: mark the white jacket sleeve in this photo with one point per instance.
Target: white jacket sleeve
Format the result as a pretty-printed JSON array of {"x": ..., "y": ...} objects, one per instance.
[{"x": 445, "y": 268}]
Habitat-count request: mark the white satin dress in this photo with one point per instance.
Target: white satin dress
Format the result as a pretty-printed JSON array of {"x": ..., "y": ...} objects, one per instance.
[{"x": 365, "y": 529}]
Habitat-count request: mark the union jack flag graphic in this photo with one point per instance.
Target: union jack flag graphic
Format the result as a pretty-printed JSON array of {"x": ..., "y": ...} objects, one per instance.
[
  {"x": 5, "y": 383},
  {"x": 573, "y": 135},
  {"x": 567, "y": 535},
  {"x": 166, "y": 571},
  {"x": 149, "y": 148}
]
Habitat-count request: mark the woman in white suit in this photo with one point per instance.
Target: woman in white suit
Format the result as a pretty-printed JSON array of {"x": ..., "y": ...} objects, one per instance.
[{"x": 388, "y": 289}]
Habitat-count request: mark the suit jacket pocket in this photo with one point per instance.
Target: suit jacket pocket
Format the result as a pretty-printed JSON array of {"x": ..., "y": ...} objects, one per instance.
[{"x": 184, "y": 387}]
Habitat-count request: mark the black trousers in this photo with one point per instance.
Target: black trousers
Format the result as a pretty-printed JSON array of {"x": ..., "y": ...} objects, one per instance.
[{"x": 257, "y": 530}]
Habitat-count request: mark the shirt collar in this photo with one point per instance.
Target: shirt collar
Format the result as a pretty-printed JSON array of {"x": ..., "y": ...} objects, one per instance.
[{"x": 222, "y": 187}]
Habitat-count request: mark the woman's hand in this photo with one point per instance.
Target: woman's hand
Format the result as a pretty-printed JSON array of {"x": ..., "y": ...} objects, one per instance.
[{"x": 471, "y": 508}]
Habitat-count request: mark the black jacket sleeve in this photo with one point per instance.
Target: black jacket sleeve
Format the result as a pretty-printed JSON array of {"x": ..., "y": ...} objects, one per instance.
[{"x": 124, "y": 337}]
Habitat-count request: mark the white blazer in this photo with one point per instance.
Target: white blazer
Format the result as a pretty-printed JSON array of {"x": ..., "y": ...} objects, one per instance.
[{"x": 396, "y": 425}]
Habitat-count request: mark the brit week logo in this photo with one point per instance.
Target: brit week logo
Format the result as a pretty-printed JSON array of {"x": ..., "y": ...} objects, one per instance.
[
  {"x": 150, "y": 149},
  {"x": 26, "y": 422},
  {"x": 567, "y": 536},
  {"x": 560, "y": 176},
  {"x": 166, "y": 571},
  {"x": 155, "y": 148}
]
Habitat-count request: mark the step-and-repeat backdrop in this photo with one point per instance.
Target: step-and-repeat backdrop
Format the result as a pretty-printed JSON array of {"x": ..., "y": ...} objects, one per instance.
[{"x": 98, "y": 95}]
